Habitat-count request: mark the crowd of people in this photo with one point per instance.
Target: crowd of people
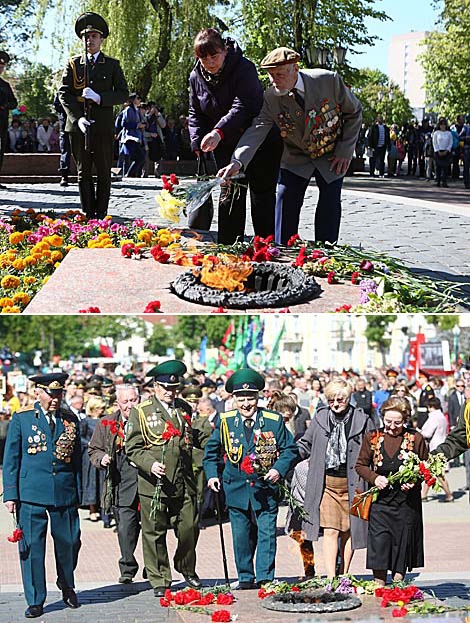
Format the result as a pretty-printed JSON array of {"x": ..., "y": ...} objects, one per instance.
[
  {"x": 433, "y": 152},
  {"x": 167, "y": 449}
]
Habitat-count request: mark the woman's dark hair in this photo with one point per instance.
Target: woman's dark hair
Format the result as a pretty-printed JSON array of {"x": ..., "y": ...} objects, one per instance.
[
  {"x": 435, "y": 403},
  {"x": 208, "y": 42},
  {"x": 442, "y": 121}
]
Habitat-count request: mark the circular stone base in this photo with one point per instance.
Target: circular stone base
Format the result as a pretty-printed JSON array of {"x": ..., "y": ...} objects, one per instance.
[
  {"x": 311, "y": 601},
  {"x": 269, "y": 285}
]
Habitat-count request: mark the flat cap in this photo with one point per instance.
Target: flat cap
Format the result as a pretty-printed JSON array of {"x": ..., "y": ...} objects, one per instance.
[
  {"x": 91, "y": 22},
  {"x": 55, "y": 381},
  {"x": 279, "y": 57},
  {"x": 168, "y": 373},
  {"x": 245, "y": 380},
  {"x": 4, "y": 57}
]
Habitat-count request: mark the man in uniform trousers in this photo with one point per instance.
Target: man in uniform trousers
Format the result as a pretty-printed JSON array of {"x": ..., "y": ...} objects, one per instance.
[
  {"x": 320, "y": 120},
  {"x": 251, "y": 493},
  {"x": 41, "y": 477},
  {"x": 159, "y": 441},
  {"x": 93, "y": 81},
  {"x": 107, "y": 451},
  {"x": 7, "y": 102}
]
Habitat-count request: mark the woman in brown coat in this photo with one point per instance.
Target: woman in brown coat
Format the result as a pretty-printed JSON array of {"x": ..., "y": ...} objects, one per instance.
[{"x": 395, "y": 538}]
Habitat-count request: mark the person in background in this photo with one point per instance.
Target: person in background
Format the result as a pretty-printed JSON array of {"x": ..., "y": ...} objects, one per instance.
[
  {"x": 44, "y": 135},
  {"x": 465, "y": 139},
  {"x": 434, "y": 431},
  {"x": 442, "y": 143},
  {"x": 8, "y": 102}
]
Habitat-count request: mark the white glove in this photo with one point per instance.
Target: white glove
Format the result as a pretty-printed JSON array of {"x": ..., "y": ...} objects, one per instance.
[
  {"x": 89, "y": 94},
  {"x": 83, "y": 124}
]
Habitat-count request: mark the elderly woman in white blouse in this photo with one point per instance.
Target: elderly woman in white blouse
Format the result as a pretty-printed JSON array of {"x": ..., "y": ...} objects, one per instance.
[
  {"x": 435, "y": 431},
  {"x": 442, "y": 142}
]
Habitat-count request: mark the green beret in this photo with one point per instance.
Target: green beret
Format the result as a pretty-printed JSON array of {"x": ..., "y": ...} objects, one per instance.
[
  {"x": 91, "y": 22},
  {"x": 279, "y": 57},
  {"x": 4, "y": 57},
  {"x": 168, "y": 372},
  {"x": 244, "y": 380}
]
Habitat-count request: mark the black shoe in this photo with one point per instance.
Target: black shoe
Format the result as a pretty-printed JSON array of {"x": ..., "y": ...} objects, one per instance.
[
  {"x": 70, "y": 598},
  {"x": 32, "y": 612},
  {"x": 192, "y": 580},
  {"x": 159, "y": 591},
  {"x": 246, "y": 586},
  {"x": 64, "y": 181},
  {"x": 125, "y": 579}
]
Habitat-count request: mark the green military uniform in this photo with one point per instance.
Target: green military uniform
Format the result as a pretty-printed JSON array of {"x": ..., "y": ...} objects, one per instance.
[
  {"x": 106, "y": 78},
  {"x": 158, "y": 433},
  {"x": 8, "y": 102},
  {"x": 458, "y": 440}
]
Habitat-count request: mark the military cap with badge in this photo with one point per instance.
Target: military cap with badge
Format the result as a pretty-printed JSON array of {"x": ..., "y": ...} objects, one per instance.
[
  {"x": 4, "y": 57},
  {"x": 245, "y": 380},
  {"x": 91, "y": 22},
  {"x": 168, "y": 373}
]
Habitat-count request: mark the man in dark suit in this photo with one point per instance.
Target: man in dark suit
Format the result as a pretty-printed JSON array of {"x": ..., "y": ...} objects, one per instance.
[
  {"x": 107, "y": 451},
  {"x": 379, "y": 141},
  {"x": 252, "y": 497},
  {"x": 7, "y": 102},
  {"x": 41, "y": 478},
  {"x": 320, "y": 120},
  {"x": 456, "y": 400},
  {"x": 92, "y": 84}
]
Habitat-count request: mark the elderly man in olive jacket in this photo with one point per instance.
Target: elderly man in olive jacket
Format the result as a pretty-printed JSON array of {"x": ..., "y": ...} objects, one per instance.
[{"x": 320, "y": 120}]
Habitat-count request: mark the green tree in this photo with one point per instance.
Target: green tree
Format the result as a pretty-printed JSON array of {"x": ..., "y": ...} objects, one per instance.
[
  {"x": 160, "y": 340},
  {"x": 35, "y": 90},
  {"x": 14, "y": 25},
  {"x": 445, "y": 322},
  {"x": 379, "y": 96},
  {"x": 377, "y": 327},
  {"x": 446, "y": 58}
]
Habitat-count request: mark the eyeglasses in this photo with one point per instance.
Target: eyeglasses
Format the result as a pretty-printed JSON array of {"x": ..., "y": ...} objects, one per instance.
[{"x": 340, "y": 400}]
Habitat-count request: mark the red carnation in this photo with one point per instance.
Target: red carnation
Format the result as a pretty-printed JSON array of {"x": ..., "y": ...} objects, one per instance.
[
  {"x": 16, "y": 535},
  {"x": 127, "y": 249},
  {"x": 168, "y": 595},
  {"x": 164, "y": 603},
  {"x": 225, "y": 599},
  {"x": 223, "y": 616},
  {"x": 197, "y": 259},
  {"x": 153, "y": 308},
  {"x": 293, "y": 240},
  {"x": 170, "y": 432},
  {"x": 261, "y": 255},
  {"x": 247, "y": 466},
  {"x": 159, "y": 255},
  {"x": 317, "y": 254},
  {"x": 331, "y": 277},
  {"x": 355, "y": 277},
  {"x": 399, "y": 612},
  {"x": 90, "y": 310},
  {"x": 173, "y": 179},
  {"x": 301, "y": 257}
]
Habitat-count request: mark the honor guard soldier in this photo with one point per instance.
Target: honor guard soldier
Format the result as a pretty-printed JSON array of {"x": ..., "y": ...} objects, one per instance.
[
  {"x": 92, "y": 83},
  {"x": 41, "y": 477},
  {"x": 320, "y": 120},
  {"x": 7, "y": 102},
  {"x": 252, "y": 496},
  {"x": 159, "y": 441}
]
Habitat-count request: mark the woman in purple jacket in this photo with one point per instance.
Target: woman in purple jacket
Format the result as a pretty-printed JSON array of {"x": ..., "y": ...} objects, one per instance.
[{"x": 225, "y": 96}]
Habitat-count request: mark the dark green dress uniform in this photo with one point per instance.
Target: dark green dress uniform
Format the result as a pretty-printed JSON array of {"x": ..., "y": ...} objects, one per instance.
[
  {"x": 107, "y": 79},
  {"x": 145, "y": 444},
  {"x": 8, "y": 102},
  {"x": 41, "y": 473},
  {"x": 252, "y": 501},
  {"x": 458, "y": 440}
]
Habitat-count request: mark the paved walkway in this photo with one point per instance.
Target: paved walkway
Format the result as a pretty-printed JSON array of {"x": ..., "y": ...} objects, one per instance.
[
  {"x": 426, "y": 227},
  {"x": 447, "y": 569}
]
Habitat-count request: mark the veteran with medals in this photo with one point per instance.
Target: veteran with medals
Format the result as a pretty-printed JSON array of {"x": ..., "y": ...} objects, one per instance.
[
  {"x": 92, "y": 84},
  {"x": 159, "y": 442},
  {"x": 259, "y": 450},
  {"x": 41, "y": 479},
  {"x": 320, "y": 120}
]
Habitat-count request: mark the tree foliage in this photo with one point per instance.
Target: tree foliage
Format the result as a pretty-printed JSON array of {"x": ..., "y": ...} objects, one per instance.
[
  {"x": 446, "y": 59},
  {"x": 379, "y": 96},
  {"x": 14, "y": 25},
  {"x": 35, "y": 89},
  {"x": 377, "y": 327}
]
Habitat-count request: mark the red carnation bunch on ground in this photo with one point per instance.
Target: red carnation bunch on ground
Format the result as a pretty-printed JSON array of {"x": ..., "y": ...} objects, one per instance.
[
  {"x": 90, "y": 310},
  {"x": 400, "y": 596},
  {"x": 130, "y": 250},
  {"x": 159, "y": 255},
  {"x": 222, "y": 616},
  {"x": 189, "y": 598},
  {"x": 153, "y": 308},
  {"x": 169, "y": 184},
  {"x": 293, "y": 240}
]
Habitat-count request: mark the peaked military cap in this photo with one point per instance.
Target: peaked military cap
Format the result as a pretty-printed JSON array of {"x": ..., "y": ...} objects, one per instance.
[
  {"x": 168, "y": 373},
  {"x": 279, "y": 57},
  {"x": 107, "y": 382},
  {"x": 130, "y": 379},
  {"x": 4, "y": 57},
  {"x": 91, "y": 22},
  {"x": 391, "y": 372},
  {"x": 80, "y": 383},
  {"x": 55, "y": 381},
  {"x": 191, "y": 394},
  {"x": 244, "y": 380}
]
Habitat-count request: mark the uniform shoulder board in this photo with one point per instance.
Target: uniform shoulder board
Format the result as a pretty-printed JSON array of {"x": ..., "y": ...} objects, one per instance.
[
  {"x": 25, "y": 409},
  {"x": 146, "y": 403},
  {"x": 271, "y": 415},
  {"x": 228, "y": 414}
]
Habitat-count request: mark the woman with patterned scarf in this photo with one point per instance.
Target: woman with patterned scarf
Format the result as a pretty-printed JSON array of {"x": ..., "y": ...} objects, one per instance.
[{"x": 332, "y": 442}]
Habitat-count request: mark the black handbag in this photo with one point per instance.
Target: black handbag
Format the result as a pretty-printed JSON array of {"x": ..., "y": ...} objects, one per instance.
[{"x": 201, "y": 217}]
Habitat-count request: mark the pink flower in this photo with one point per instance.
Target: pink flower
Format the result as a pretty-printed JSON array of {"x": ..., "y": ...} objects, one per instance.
[{"x": 367, "y": 266}]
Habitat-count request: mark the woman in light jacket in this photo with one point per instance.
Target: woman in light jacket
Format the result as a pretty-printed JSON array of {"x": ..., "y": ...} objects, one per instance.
[
  {"x": 332, "y": 442},
  {"x": 442, "y": 142}
]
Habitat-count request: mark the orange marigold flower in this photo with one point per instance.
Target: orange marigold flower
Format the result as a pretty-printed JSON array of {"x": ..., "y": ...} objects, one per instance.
[
  {"x": 10, "y": 281},
  {"x": 16, "y": 237},
  {"x": 56, "y": 256},
  {"x": 21, "y": 297},
  {"x": 12, "y": 309},
  {"x": 5, "y": 301}
]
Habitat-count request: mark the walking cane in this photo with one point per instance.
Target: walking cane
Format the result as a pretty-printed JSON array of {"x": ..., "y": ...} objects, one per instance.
[{"x": 222, "y": 540}]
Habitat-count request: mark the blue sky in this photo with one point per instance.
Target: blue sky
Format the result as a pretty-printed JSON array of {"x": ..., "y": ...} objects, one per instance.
[{"x": 406, "y": 16}]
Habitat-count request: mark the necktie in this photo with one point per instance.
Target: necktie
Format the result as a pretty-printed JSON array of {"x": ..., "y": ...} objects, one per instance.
[
  {"x": 248, "y": 426},
  {"x": 50, "y": 417},
  {"x": 298, "y": 98},
  {"x": 91, "y": 59}
]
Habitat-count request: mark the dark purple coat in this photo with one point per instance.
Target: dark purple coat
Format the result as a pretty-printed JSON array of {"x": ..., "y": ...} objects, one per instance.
[{"x": 229, "y": 105}]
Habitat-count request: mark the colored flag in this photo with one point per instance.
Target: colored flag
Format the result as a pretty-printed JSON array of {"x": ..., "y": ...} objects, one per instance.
[
  {"x": 203, "y": 351},
  {"x": 106, "y": 351},
  {"x": 274, "y": 354},
  {"x": 229, "y": 335}
]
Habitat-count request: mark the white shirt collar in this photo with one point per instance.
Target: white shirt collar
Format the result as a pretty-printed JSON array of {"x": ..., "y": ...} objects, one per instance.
[
  {"x": 95, "y": 56},
  {"x": 299, "y": 85}
]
